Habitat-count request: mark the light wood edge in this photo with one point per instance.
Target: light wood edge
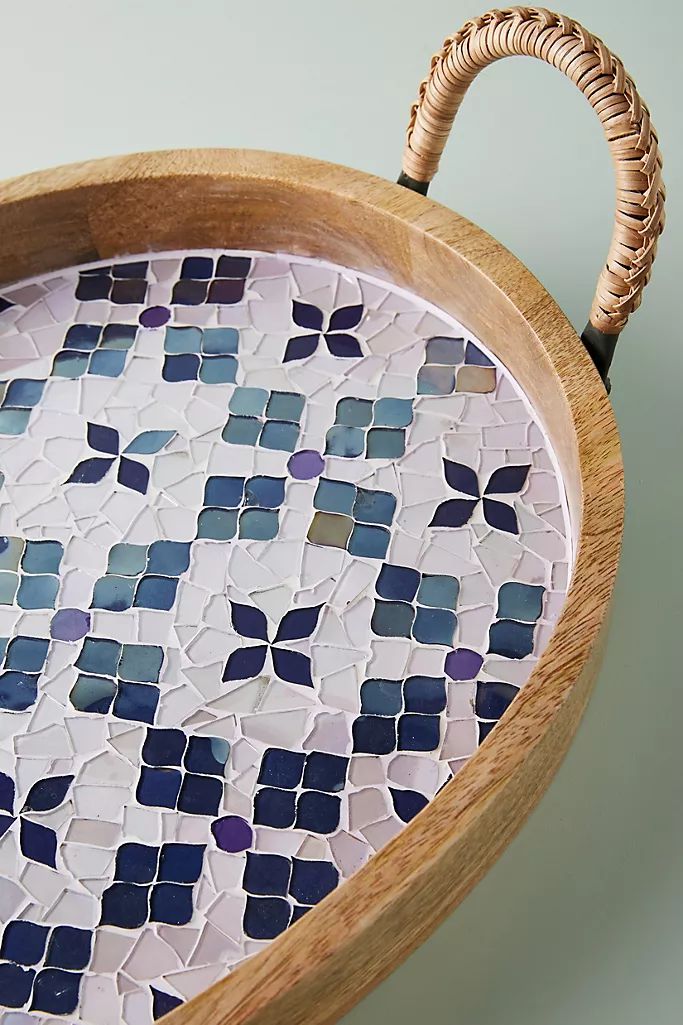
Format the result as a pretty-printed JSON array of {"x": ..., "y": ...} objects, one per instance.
[{"x": 318, "y": 969}]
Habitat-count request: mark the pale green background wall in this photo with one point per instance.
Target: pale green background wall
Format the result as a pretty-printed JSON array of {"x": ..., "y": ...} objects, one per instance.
[{"x": 581, "y": 921}]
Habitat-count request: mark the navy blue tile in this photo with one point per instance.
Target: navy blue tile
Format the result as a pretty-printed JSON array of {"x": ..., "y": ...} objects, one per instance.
[
  {"x": 125, "y": 292},
  {"x": 325, "y": 772},
  {"x": 299, "y": 912},
  {"x": 181, "y": 862},
  {"x": 381, "y": 697},
  {"x": 233, "y": 266},
  {"x": 189, "y": 292},
  {"x": 158, "y": 788},
  {"x": 162, "y": 1003},
  {"x": 207, "y": 755},
  {"x": 164, "y": 747},
  {"x": 132, "y": 269},
  {"x": 418, "y": 732},
  {"x": 510, "y": 639},
  {"x": 183, "y": 367},
  {"x": 226, "y": 291},
  {"x": 125, "y": 905},
  {"x": 93, "y": 287},
  {"x": 484, "y": 730},
  {"x": 425, "y": 694},
  {"x": 397, "y": 583},
  {"x": 137, "y": 701},
  {"x": 280, "y": 768},
  {"x": 274, "y": 808},
  {"x": 24, "y": 942},
  {"x": 407, "y": 803},
  {"x": 373, "y": 734},
  {"x": 18, "y": 691},
  {"x": 171, "y": 904},
  {"x": 199, "y": 267},
  {"x": 38, "y": 842},
  {"x": 493, "y": 699},
  {"x": 136, "y": 863},
  {"x": 200, "y": 795},
  {"x": 47, "y": 793},
  {"x": 82, "y": 336},
  {"x": 317, "y": 812},
  {"x": 312, "y": 880},
  {"x": 69, "y": 948},
  {"x": 15, "y": 985},
  {"x": 266, "y": 917},
  {"x": 267, "y": 875}
]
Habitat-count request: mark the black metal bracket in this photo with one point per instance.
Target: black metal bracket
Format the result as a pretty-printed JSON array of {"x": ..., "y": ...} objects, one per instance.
[
  {"x": 600, "y": 348},
  {"x": 411, "y": 183}
]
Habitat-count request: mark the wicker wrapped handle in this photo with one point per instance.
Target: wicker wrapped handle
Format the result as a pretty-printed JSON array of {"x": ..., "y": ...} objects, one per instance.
[{"x": 586, "y": 61}]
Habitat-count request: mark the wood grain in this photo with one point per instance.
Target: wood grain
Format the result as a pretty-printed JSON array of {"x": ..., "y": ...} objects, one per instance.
[{"x": 243, "y": 199}]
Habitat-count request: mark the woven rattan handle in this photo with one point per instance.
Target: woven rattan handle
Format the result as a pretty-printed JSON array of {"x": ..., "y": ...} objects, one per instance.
[{"x": 586, "y": 61}]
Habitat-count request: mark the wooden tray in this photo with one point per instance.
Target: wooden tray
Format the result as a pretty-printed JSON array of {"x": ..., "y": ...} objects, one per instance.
[{"x": 304, "y": 479}]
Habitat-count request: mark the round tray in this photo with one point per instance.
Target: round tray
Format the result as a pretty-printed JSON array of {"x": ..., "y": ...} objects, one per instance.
[{"x": 307, "y": 484}]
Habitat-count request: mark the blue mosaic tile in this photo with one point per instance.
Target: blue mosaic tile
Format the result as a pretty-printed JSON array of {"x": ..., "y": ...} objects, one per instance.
[
  {"x": 205, "y": 354},
  {"x": 407, "y": 803},
  {"x": 266, "y": 917},
  {"x": 28, "y": 572},
  {"x": 17, "y": 400},
  {"x": 376, "y": 429},
  {"x": 400, "y": 715},
  {"x": 100, "y": 350},
  {"x": 149, "y": 577},
  {"x": 192, "y": 789},
  {"x": 122, "y": 674},
  {"x": 215, "y": 281},
  {"x": 235, "y": 504},
  {"x": 423, "y": 605},
  {"x": 23, "y": 662},
  {"x": 360, "y": 509},
  {"x": 267, "y": 419}
]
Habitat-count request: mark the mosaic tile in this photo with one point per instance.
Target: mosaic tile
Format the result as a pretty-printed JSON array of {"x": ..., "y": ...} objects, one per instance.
[{"x": 281, "y": 544}]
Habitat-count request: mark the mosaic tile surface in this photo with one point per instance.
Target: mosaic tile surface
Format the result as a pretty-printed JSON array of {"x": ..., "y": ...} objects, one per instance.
[{"x": 280, "y": 544}]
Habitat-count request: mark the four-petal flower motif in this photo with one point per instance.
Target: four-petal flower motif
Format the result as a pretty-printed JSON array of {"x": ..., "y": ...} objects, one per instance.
[
  {"x": 338, "y": 341},
  {"x": 291, "y": 666},
  {"x": 456, "y": 512},
  {"x": 131, "y": 473},
  {"x": 38, "y": 842}
]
